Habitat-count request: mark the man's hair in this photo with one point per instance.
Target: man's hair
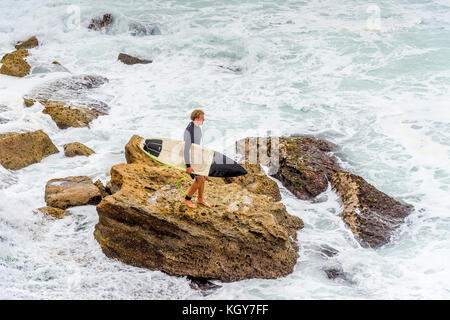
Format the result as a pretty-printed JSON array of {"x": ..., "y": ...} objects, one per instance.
[{"x": 196, "y": 114}]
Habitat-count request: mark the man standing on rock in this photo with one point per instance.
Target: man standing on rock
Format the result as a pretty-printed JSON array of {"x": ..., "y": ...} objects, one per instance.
[{"x": 193, "y": 134}]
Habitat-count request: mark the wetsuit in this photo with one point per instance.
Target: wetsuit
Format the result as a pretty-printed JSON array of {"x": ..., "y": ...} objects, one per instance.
[{"x": 192, "y": 134}]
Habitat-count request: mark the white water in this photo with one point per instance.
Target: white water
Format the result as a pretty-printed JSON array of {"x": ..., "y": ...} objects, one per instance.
[{"x": 379, "y": 91}]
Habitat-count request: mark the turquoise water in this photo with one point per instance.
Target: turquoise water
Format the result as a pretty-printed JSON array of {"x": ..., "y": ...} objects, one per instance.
[{"x": 372, "y": 78}]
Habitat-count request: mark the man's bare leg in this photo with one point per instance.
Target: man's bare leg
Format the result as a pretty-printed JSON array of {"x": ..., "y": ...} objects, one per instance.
[
  {"x": 201, "y": 189},
  {"x": 190, "y": 193}
]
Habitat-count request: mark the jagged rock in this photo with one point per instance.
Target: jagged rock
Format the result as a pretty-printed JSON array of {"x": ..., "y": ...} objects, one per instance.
[
  {"x": 99, "y": 23},
  {"x": 77, "y": 149},
  {"x": 28, "y": 44},
  {"x": 369, "y": 213},
  {"x": 71, "y": 191},
  {"x": 243, "y": 235},
  {"x": 127, "y": 59},
  {"x": 110, "y": 188},
  {"x": 67, "y": 116},
  {"x": 18, "y": 150},
  {"x": 102, "y": 188},
  {"x": 305, "y": 168},
  {"x": 54, "y": 212},
  {"x": 144, "y": 28},
  {"x": 134, "y": 153},
  {"x": 14, "y": 64}
]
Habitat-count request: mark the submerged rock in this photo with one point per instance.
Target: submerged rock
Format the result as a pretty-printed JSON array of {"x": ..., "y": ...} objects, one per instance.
[
  {"x": 54, "y": 212},
  {"x": 99, "y": 23},
  {"x": 127, "y": 59},
  {"x": 67, "y": 102},
  {"x": 305, "y": 168},
  {"x": 77, "y": 149},
  {"x": 242, "y": 236},
  {"x": 14, "y": 63},
  {"x": 18, "y": 150},
  {"x": 71, "y": 191},
  {"x": 144, "y": 28},
  {"x": 235, "y": 69},
  {"x": 336, "y": 272},
  {"x": 27, "y": 44},
  {"x": 202, "y": 284}
]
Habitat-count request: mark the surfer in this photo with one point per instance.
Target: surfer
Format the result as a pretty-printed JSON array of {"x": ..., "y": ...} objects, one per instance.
[{"x": 193, "y": 134}]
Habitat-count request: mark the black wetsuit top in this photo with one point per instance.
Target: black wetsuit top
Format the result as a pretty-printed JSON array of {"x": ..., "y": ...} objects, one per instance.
[{"x": 192, "y": 134}]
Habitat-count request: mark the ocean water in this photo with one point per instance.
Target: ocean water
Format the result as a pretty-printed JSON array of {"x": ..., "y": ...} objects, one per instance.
[{"x": 371, "y": 77}]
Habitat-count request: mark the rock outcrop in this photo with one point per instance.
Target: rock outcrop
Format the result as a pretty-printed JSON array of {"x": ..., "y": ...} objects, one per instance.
[
  {"x": 134, "y": 154},
  {"x": 67, "y": 100},
  {"x": 18, "y": 150},
  {"x": 27, "y": 44},
  {"x": 127, "y": 59},
  {"x": 245, "y": 234},
  {"x": 77, "y": 149},
  {"x": 66, "y": 116},
  {"x": 71, "y": 191},
  {"x": 306, "y": 168},
  {"x": 14, "y": 63},
  {"x": 242, "y": 236}
]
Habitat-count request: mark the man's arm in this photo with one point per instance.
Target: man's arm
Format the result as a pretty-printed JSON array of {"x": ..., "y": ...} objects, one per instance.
[{"x": 188, "y": 140}]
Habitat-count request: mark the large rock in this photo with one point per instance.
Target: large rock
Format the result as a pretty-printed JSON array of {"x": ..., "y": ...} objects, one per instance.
[
  {"x": 369, "y": 213},
  {"x": 14, "y": 63},
  {"x": 71, "y": 191},
  {"x": 305, "y": 167},
  {"x": 18, "y": 150},
  {"x": 27, "y": 44},
  {"x": 243, "y": 235},
  {"x": 134, "y": 153},
  {"x": 67, "y": 100},
  {"x": 67, "y": 116},
  {"x": 127, "y": 59}
]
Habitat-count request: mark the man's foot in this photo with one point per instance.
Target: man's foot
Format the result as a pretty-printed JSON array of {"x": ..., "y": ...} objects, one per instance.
[
  {"x": 203, "y": 202},
  {"x": 189, "y": 204}
]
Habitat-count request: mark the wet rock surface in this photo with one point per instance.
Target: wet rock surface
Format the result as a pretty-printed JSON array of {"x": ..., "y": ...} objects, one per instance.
[
  {"x": 18, "y": 150},
  {"x": 144, "y": 223},
  {"x": 77, "y": 149},
  {"x": 306, "y": 168},
  {"x": 99, "y": 23},
  {"x": 68, "y": 102},
  {"x": 14, "y": 63},
  {"x": 27, "y": 44},
  {"x": 71, "y": 191},
  {"x": 127, "y": 59}
]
